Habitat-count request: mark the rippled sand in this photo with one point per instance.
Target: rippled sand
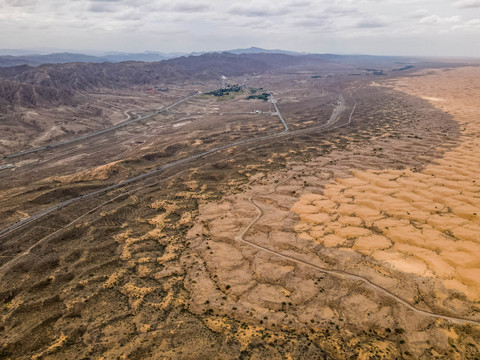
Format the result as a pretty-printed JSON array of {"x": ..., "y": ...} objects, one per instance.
[{"x": 425, "y": 223}]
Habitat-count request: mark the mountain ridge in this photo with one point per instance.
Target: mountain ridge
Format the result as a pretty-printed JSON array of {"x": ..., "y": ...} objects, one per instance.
[{"x": 19, "y": 57}]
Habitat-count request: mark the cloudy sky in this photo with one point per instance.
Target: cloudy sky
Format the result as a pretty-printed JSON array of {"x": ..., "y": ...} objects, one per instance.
[{"x": 379, "y": 27}]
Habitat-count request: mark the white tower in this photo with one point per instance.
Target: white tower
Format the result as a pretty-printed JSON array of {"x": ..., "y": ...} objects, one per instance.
[{"x": 223, "y": 81}]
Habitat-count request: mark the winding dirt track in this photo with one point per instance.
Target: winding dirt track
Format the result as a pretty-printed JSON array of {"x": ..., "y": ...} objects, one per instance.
[{"x": 340, "y": 273}]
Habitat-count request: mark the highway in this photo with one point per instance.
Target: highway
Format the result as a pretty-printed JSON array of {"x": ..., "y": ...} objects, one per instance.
[
  {"x": 284, "y": 132},
  {"x": 99, "y": 132},
  {"x": 274, "y": 102},
  {"x": 324, "y": 127},
  {"x": 330, "y": 125}
]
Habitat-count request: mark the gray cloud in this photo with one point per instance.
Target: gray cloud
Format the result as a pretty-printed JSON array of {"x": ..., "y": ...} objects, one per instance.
[
  {"x": 435, "y": 19},
  {"x": 100, "y": 7},
  {"x": 371, "y": 23},
  {"x": 257, "y": 10},
  {"x": 299, "y": 3},
  {"x": 471, "y": 25},
  {"x": 130, "y": 15},
  {"x": 20, "y": 3},
  {"x": 467, "y": 4},
  {"x": 190, "y": 7},
  {"x": 341, "y": 10},
  {"x": 399, "y": 26},
  {"x": 420, "y": 13},
  {"x": 313, "y": 22}
]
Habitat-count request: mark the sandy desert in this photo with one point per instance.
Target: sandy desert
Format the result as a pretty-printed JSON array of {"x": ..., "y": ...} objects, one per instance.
[{"x": 360, "y": 246}]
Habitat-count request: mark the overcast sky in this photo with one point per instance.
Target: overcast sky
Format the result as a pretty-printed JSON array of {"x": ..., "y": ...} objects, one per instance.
[{"x": 379, "y": 27}]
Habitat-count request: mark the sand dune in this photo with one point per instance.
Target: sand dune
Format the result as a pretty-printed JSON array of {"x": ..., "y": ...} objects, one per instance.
[{"x": 426, "y": 223}]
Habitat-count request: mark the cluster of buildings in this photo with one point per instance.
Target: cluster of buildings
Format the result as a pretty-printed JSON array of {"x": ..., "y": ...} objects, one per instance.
[{"x": 156, "y": 89}]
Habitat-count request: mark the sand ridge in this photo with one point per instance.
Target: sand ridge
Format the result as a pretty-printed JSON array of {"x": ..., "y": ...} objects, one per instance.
[
  {"x": 425, "y": 223},
  {"x": 102, "y": 172}
]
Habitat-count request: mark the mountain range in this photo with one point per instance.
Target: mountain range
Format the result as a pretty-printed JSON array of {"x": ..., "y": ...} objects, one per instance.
[
  {"x": 12, "y": 57},
  {"x": 54, "y": 84}
]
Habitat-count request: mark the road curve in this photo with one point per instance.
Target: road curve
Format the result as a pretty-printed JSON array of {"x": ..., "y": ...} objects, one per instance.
[
  {"x": 285, "y": 132},
  {"x": 345, "y": 274},
  {"x": 42, "y": 213},
  {"x": 99, "y": 132},
  {"x": 340, "y": 273}
]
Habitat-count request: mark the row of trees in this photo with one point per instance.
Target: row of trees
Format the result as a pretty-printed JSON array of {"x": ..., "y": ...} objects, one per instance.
[
  {"x": 263, "y": 96},
  {"x": 226, "y": 91}
]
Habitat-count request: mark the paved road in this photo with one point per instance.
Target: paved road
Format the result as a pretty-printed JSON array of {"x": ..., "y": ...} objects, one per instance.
[
  {"x": 332, "y": 121},
  {"x": 96, "y": 133},
  {"x": 274, "y": 102},
  {"x": 41, "y": 214},
  {"x": 284, "y": 132}
]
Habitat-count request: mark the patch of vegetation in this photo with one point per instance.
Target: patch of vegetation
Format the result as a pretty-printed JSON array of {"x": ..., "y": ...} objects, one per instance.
[
  {"x": 404, "y": 68},
  {"x": 317, "y": 76},
  {"x": 263, "y": 96},
  {"x": 226, "y": 91},
  {"x": 375, "y": 71}
]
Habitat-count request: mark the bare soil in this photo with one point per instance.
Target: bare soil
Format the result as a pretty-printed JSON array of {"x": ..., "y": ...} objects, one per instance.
[{"x": 155, "y": 270}]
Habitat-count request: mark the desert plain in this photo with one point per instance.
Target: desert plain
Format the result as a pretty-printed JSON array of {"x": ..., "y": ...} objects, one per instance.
[
  {"x": 414, "y": 232},
  {"x": 346, "y": 236}
]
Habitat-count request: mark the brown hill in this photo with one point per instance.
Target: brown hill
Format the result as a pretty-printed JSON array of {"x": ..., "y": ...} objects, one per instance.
[
  {"x": 67, "y": 78},
  {"x": 15, "y": 94},
  {"x": 53, "y": 84},
  {"x": 86, "y": 76}
]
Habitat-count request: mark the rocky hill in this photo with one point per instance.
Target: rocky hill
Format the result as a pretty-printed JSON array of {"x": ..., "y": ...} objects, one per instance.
[
  {"x": 14, "y": 94},
  {"x": 57, "y": 83}
]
